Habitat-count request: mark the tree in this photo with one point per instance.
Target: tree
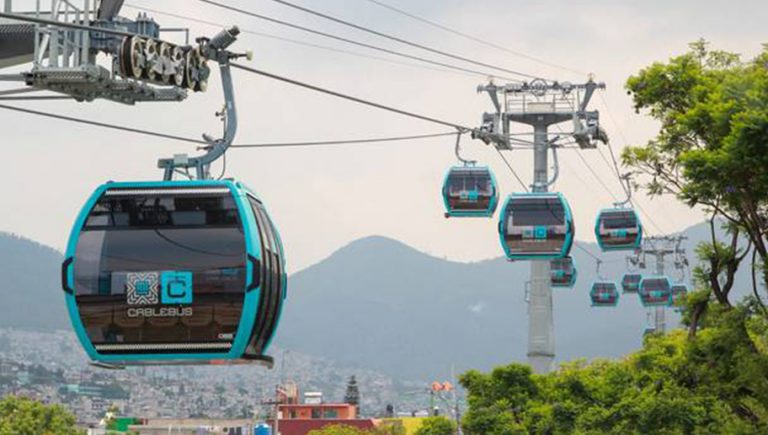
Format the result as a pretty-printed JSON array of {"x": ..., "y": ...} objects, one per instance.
[
  {"x": 711, "y": 151},
  {"x": 436, "y": 426},
  {"x": 713, "y": 384},
  {"x": 21, "y": 416},
  {"x": 352, "y": 396}
]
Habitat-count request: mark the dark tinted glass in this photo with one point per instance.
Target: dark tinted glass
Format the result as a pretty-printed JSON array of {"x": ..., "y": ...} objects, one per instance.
[
  {"x": 614, "y": 220},
  {"x": 655, "y": 285},
  {"x": 463, "y": 180},
  {"x": 537, "y": 212},
  {"x": 271, "y": 297},
  {"x": 159, "y": 235}
]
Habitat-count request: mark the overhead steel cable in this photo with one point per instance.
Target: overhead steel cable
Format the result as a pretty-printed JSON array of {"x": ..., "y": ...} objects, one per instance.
[
  {"x": 512, "y": 170},
  {"x": 343, "y": 142},
  {"x": 357, "y": 43},
  {"x": 305, "y": 85},
  {"x": 103, "y": 124},
  {"x": 298, "y": 42},
  {"x": 201, "y": 142},
  {"x": 397, "y": 39},
  {"x": 45, "y": 21},
  {"x": 474, "y": 38},
  {"x": 583, "y": 249}
]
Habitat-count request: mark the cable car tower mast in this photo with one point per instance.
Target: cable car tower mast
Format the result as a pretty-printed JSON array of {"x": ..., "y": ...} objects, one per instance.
[
  {"x": 660, "y": 248},
  {"x": 541, "y": 104}
]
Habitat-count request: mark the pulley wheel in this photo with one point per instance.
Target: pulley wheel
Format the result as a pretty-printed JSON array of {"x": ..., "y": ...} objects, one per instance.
[
  {"x": 152, "y": 55},
  {"x": 179, "y": 66},
  {"x": 165, "y": 63},
  {"x": 132, "y": 60}
]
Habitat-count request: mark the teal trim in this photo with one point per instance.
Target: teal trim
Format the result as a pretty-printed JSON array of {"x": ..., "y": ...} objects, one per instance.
[
  {"x": 629, "y": 247},
  {"x": 570, "y": 233},
  {"x": 574, "y": 276},
  {"x": 634, "y": 289},
  {"x": 656, "y": 293},
  {"x": 250, "y": 303},
  {"x": 492, "y": 204},
  {"x": 284, "y": 280}
]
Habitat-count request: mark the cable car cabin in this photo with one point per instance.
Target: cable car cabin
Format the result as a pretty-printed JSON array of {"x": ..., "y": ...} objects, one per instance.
[
  {"x": 678, "y": 293},
  {"x": 618, "y": 229},
  {"x": 655, "y": 292},
  {"x": 536, "y": 226},
  {"x": 630, "y": 282},
  {"x": 563, "y": 272},
  {"x": 174, "y": 272},
  {"x": 604, "y": 294},
  {"x": 470, "y": 191}
]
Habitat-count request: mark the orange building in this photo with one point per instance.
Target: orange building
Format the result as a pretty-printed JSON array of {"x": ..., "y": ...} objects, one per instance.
[{"x": 319, "y": 411}]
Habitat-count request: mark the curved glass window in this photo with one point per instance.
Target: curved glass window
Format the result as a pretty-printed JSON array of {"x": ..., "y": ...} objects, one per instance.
[{"x": 161, "y": 271}]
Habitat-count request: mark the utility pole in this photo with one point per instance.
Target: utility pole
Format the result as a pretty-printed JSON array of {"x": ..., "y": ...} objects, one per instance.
[
  {"x": 541, "y": 104},
  {"x": 659, "y": 248}
]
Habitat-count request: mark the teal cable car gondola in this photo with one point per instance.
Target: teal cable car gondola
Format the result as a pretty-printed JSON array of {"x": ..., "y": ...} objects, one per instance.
[
  {"x": 470, "y": 191},
  {"x": 618, "y": 229},
  {"x": 536, "y": 226},
  {"x": 655, "y": 291},
  {"x": 563, "y": 272},
  {"x": 174, "y": 272},
  {"x": 604, "y": 294},
  {"x": 630, "y": 282}
]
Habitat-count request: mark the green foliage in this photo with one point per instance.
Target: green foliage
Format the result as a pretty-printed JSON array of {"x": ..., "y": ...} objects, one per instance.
[
  {"x": 20, "y": 416},
  {"x": 715, "y": 383},
  {"x": 712, "y": 147},
  {"x": 436, "y": 426},
  {"x": 340, "y": 429}
]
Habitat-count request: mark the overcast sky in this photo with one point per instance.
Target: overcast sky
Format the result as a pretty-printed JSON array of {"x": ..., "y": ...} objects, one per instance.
[{"x": 324, "y": 198}]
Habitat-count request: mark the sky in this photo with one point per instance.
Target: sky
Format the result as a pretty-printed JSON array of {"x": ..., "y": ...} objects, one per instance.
[{"x": 324, "y": 198}]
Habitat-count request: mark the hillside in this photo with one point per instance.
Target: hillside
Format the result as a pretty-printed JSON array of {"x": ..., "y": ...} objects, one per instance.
[
  {"x": 30, "y": 288},
  {"x": 380, "y": 304}
]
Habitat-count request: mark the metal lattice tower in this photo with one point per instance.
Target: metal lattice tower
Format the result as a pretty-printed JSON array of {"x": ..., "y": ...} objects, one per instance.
[
  {"x": 541, "y": 104},
  {"x": 661, "y": 248}
]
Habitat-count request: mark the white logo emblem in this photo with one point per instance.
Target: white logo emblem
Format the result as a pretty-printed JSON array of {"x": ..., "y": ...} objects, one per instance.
[{"x": 143, "y": 288}]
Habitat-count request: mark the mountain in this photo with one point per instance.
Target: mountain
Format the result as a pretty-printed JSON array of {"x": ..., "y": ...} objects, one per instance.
[
  {"x": 30, "y": 288},
  {"x": 380, "y": 304}
]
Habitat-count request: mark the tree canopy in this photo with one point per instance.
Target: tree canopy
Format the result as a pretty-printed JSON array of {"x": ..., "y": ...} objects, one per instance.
[
  {"x": 716, "y": 383},
  {"x": 711, "y": 150},
  {"x": 436, "y": 426},
  {"x": 21, "y": 416}
]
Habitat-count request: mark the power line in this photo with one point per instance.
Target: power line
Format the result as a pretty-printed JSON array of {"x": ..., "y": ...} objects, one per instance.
[
  {"x": 353, "y": 42},
  {"x": 397, "y": 39},
  {"x": 350, "y": 98},
  {"x": 297, "y": 42},
  {"x": 474, "y": 38}
]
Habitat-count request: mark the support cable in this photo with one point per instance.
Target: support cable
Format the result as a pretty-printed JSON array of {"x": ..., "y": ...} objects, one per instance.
[
  {"x": 353, "y": 42},
  {"x": 396, "y": 39},
  {"x": 512, "y": 170},
  {"x": 201, "y": 142},
  {"x": 474, "y": 38},
  {"x": 305, "y": 85},
  {"x": 298, "y": 42}
]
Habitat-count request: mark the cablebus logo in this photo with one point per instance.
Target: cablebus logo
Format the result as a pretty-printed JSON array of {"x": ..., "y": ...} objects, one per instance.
[{"x": 145, "y": 289}]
